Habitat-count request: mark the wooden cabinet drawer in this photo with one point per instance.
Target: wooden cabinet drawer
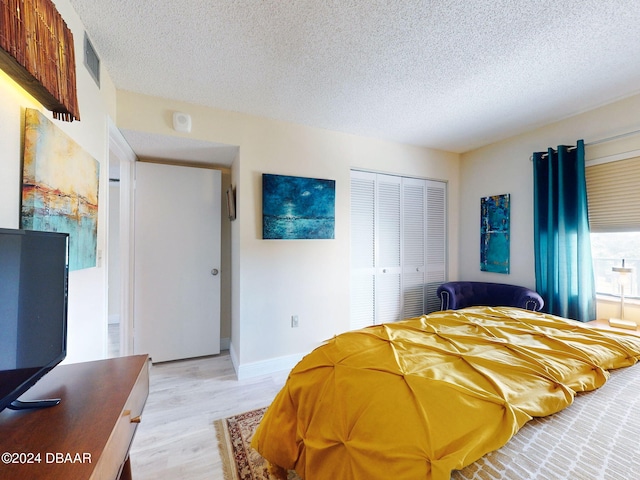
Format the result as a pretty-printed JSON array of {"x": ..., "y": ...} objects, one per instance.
[{"x": 117, "y": 448}]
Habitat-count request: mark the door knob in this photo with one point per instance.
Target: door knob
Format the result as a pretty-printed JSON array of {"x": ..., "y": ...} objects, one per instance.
[{"x": 214, "y": 272}]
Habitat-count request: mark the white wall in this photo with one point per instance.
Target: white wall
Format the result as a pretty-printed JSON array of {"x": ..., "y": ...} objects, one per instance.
[
  {"x": 505, "y": 167},
  {"x": 87, "y": 307},
  {"x": 273, "y": 279}
]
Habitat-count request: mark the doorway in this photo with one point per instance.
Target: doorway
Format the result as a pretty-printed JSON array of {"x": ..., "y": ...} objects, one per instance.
[
  {"x": 119, "y": 243},
  {"x": 125, "y": 146}
]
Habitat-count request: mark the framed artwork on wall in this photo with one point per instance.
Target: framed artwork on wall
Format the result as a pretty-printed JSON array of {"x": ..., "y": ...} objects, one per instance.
[
  {"x": 231, "y": 204},
  {"x": 297, "y": 208},
  {"x": 60, "y": 188},
  {"x": 494, "y": 233}
]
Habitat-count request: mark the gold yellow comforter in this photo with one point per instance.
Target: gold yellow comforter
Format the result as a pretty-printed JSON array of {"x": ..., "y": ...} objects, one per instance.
[{"x": 422, "y": 397}]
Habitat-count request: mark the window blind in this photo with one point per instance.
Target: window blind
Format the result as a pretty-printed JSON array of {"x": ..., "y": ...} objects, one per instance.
[{"x": 613, "y": 195}]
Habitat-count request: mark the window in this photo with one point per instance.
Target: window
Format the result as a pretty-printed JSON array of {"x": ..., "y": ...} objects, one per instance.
[
  {"x": 614, "y": 218},
  {"x": 609, "y": 250}
]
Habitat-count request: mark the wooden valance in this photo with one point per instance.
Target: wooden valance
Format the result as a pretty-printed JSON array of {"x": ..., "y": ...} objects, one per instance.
[{"x": 36, "y": 50}]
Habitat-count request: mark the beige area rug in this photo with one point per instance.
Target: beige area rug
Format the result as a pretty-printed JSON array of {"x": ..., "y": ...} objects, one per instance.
[{"x": 239, "y": 460}]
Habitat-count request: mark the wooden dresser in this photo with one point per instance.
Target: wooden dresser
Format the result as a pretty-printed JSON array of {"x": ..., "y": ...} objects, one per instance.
[{"x": 88, "y": 435}]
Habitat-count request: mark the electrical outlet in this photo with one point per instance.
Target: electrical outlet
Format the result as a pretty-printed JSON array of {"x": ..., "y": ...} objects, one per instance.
[{"x": 294, "y": 321}]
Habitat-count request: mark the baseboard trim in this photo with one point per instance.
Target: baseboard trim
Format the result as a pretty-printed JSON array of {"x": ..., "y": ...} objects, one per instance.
[
  {"x": 264, "y": 367},
  {"x": 234, "y": 358}
]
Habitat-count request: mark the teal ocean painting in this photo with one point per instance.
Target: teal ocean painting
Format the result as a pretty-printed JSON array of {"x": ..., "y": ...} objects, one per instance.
[
  {"x": 297, "y": 208},
  {"x": 494, "y": 233}
]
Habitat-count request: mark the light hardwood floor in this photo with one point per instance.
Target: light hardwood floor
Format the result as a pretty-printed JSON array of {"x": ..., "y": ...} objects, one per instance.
[{"x": 176, "y": 438}]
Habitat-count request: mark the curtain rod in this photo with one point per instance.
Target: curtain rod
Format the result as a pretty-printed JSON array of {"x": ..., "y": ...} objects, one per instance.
[
  {"x": 615, "y": 137},
  {"x": 596, "y": 142}
]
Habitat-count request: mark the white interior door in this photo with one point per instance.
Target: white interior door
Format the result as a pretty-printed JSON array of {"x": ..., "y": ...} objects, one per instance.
[{"x": 177, "y": 258}]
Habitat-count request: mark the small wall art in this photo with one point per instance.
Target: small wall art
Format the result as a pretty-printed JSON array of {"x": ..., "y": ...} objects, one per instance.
[
  {"x": 60, "y": 188},
  {"x": 494, "y": 233},
  {"x": 297, "y": 208},
  {"x": 231, "y": 203}
]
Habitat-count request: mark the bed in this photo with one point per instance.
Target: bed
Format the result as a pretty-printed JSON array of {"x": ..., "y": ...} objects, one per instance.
[{"x": 430, "y": 397}]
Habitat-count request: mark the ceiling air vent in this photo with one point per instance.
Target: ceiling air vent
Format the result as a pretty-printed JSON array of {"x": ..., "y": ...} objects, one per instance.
[{"x": 91, "y": 60}]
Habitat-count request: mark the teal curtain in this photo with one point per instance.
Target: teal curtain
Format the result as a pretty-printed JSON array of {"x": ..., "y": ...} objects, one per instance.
[{"x": 564, "y": 270}]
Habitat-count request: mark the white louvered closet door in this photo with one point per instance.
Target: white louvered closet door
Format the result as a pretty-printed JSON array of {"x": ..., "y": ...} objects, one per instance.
[
  {"x": 413, "y": 242},
  {"x": 388, "y": 261},
  {"x": 363, "y": 272},
  {"x": 436, "y": 251},
  {"x": 398, "y": 247}
]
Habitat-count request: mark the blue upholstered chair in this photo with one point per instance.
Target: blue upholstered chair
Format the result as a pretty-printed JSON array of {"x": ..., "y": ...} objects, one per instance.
[{"x": 456, "y": 295}]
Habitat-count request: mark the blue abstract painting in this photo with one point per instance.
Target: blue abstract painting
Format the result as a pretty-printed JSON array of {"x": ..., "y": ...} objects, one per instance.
[
  {"x": 494, "y": 233},
  {"x": 297, "y": 208}
]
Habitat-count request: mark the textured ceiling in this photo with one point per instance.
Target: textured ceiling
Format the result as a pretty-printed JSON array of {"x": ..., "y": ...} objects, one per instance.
[{"x": 448, "y": 74}]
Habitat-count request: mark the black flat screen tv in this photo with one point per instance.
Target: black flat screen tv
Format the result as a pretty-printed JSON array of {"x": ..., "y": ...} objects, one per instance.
[{"x": 34, "y": 271}]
